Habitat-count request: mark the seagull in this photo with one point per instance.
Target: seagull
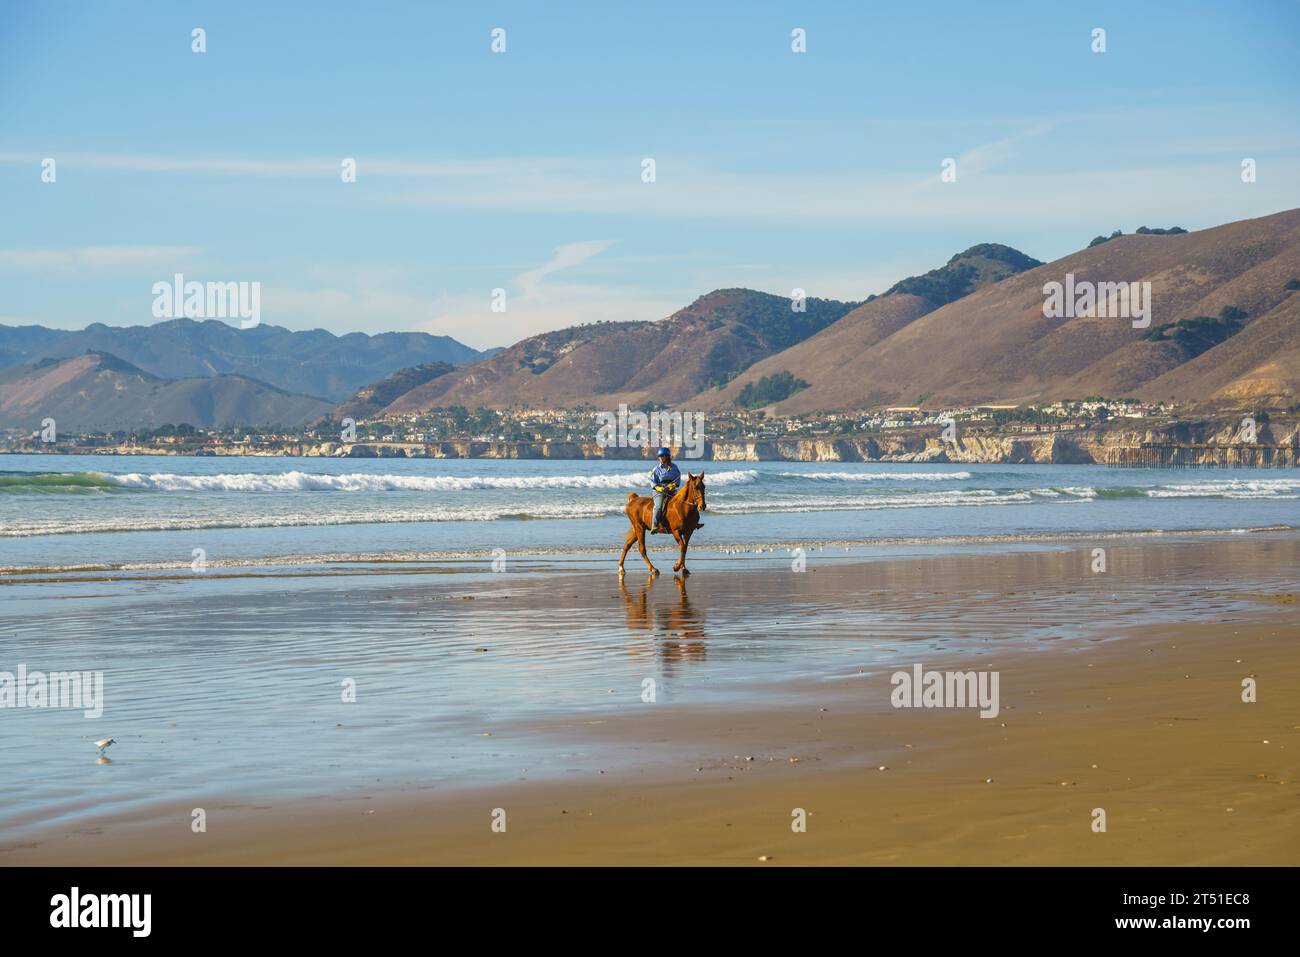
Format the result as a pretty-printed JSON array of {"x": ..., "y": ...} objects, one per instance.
[{"x": 103, "y": 744}]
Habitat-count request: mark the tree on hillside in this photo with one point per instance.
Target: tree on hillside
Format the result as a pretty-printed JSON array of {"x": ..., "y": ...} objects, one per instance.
[{"x": 769, "y": 389}]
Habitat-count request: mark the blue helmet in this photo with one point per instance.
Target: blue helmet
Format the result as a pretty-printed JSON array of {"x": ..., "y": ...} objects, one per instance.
[{"x": 664, "y": 451}]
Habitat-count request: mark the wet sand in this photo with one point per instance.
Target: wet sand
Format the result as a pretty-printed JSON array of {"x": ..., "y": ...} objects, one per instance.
[{"x": 1123, "y": 695}]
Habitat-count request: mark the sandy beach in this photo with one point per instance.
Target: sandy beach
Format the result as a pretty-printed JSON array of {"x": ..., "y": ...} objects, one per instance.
[{"x": 1119, "y": 691}]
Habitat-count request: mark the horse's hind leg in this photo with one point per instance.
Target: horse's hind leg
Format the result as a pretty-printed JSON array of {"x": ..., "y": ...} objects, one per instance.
[{"x": 640, "y": 544}]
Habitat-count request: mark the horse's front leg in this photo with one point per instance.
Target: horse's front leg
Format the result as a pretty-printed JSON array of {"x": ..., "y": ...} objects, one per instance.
[
  {"x": 631, "y": 537},
  {"x": 682, "y": 541}
]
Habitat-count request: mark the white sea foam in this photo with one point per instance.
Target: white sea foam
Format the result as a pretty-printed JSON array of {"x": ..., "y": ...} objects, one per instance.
[
  {"x": 880, "y": 476},
  {"x": 963, "y": 497},
  {"x": 1232, "y": 488},
  {"x": 550, "y": 509},
  {"x": 362, "y": 482},
  {"x": 1069, "y": 492}
]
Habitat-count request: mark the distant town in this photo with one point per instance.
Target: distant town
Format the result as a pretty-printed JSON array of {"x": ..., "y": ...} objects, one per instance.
[{"x": 456, "y": 432}]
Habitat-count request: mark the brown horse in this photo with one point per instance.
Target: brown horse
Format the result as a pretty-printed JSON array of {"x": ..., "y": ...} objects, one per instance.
[{"x": 681, "y": 515}]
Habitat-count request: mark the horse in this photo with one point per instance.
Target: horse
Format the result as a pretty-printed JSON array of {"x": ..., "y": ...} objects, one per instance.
[{"x": 681, "y": 515}]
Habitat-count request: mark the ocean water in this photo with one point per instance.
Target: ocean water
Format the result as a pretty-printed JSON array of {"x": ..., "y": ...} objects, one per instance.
[{"x": 75, "y": 511}]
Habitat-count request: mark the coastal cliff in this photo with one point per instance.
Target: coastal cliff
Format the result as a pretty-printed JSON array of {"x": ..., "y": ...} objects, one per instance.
[
  {"x": 1195, "y": 444},
  {"x": 1275, "y": 444},
  {"x": 1204, "y": 444}
]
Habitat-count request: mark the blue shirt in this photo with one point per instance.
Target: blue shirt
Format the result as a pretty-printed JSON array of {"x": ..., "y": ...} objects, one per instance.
[{"x": 665, "y": 475}]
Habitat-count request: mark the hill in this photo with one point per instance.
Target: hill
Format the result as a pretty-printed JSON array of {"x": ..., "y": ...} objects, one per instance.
[
  {"x": 313, "y": 362},
  {"x": 701, "y": 346},
  {"x": 97, "y": 391},
  {"x": 994, "y": 345},
  {"x": 370, "y": 400},
  {"x": 828, "y": 358}
]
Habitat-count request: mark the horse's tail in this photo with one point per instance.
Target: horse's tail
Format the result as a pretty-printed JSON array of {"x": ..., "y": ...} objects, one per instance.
[{"x": 632, "y": 496}]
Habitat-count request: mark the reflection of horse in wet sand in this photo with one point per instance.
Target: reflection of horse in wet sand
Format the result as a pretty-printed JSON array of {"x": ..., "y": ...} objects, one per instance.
[
  {"x": 678, "y": 629},
  {"x": 681, "y": 515}
]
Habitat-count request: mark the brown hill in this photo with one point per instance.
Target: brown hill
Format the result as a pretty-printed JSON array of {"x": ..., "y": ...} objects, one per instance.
[
  {"x": 996, "y": 346},
  {"x": 699, "y": 347},
  {"x": 100, "y": 392},
  {"x": 832, "y": 355},
  {"x": 971, "y": 332},
  {"x": 370, "y": 400},
  {"x": 1259, "y": 367}
]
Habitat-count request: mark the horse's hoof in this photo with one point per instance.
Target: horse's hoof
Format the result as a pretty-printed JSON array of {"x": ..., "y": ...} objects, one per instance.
[
  {"x": 621, "y": 572},
  {"x": 685, "y": 572}
]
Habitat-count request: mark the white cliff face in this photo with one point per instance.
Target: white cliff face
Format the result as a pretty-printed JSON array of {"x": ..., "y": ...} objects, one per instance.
[
  {"x": 902, "y": 449},
  {"x": 1205, "y": 445},
  {"x": 1277, "y": 444}
]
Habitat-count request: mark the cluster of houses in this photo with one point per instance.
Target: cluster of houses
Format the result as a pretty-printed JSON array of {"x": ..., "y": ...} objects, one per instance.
[{"x": 580, "y": 426}]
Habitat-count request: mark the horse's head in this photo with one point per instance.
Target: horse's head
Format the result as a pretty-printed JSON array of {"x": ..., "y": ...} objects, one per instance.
[{"x": 695, "y": 490}]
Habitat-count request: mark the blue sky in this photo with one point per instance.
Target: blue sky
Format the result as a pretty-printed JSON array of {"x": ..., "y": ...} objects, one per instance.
[{"x": 522, "y": 170}]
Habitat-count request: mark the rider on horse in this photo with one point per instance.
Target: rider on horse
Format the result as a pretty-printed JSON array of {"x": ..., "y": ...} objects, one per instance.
[
  {"x": 665, "y": 478},
  {"x": 674, "y": 510}
]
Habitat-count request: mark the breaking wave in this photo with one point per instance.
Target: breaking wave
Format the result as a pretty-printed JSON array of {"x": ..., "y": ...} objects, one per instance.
[
  {"x": 880, "y": 476},
  {"x": 296, "y": 481}
]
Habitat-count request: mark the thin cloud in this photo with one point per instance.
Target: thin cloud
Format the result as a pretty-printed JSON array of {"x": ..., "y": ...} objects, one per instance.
[
  {"x": 529, "y": 284},
  {"x": 301, "y": 166},
  {"x": 537, "y": 302},
  {"x": 998, "y": 179},
  {"x": 113, "y": 258},
  {"x": 988, "y": 156}
]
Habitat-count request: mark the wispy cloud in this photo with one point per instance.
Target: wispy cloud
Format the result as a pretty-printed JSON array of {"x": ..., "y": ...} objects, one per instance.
[
  {"x": 537, "y": 301},
  {"x": 1019, "y": 178},
  {"x": 99, "y": 259},
  {"x": 529, "y": 284},
  {"x": 329, "y": 167},
  {"x": 342, "y": 298},
  {"x": 989, "y": 156}
]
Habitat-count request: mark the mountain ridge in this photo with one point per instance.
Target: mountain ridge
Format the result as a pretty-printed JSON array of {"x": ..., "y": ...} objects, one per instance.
[
  {"x": 703, "y": 344},
  {"x": 996, "y": 346},
  {"x": 310, "y": 362},
  {"x": 100, "y": 392}
]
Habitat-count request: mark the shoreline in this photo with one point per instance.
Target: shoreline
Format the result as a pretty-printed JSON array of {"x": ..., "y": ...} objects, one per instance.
[
  {"x": 324, "y": 563},
  {"x": 1186, "y": 773},
  {"x": 792, "y": 671}
]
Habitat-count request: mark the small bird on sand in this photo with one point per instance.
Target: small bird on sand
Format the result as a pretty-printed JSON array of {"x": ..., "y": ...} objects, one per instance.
[{"x": 103, "y": 744}]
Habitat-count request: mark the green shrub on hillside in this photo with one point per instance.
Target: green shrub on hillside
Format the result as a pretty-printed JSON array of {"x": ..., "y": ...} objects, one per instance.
[
  {"x": 1200, "y": 333},
  {"x": 769, "y": 389}
]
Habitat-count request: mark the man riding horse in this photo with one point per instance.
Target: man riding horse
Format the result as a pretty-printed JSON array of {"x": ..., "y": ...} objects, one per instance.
[
  {"x": 664, "y": 479},
  {"x": 674, "y": 510}
]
